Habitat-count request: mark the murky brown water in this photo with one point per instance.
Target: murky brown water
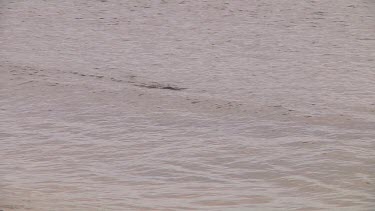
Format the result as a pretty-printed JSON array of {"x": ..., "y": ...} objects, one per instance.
[{"x": 187, "y": 105}]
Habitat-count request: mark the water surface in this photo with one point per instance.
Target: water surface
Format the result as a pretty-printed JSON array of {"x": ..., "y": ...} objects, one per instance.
[{"x": 273, "y": 108}]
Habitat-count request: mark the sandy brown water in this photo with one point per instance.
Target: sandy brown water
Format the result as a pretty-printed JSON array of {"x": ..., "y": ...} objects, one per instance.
[{"x": 187, "y": 105}]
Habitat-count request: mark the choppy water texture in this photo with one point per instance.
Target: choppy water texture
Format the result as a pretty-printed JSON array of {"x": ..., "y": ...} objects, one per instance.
[{"x": 187, "y": 105}]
